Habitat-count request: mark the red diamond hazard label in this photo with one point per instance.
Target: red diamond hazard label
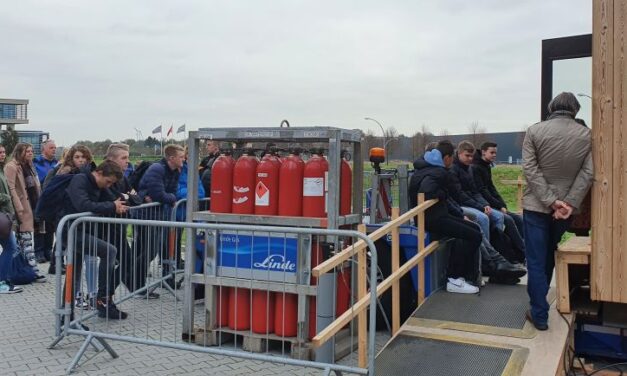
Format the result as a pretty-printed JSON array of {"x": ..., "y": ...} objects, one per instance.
[{"x": 262, "y": 195}]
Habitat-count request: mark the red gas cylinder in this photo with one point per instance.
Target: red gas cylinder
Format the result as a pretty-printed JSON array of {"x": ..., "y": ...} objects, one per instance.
[
  {"x": 343, "y": 297},
  {"x": 263, "y": 318},
  {"x": 222, "y": 306},
  {"x": 222, "y": 184},
  {"x": 267, "y": 186},
  {"x": 244, "y": 185},
  {"x": 274, "y": 158},
  {"x": 291, "y": 183},
  {"x": 316, "y": 258},
  {"x": 285, "y": 314},
  {"x": 239, "y": 309},
  {"x": 346, "y": 187},
  {"x": 315, "y": 177}
]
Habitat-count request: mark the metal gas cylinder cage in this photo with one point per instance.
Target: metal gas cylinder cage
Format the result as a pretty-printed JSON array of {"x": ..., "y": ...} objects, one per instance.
[{"x": 292, "y": 268}]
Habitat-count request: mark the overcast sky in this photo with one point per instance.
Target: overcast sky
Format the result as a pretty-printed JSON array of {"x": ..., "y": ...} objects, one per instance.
[{"x": 96, "y": 70}]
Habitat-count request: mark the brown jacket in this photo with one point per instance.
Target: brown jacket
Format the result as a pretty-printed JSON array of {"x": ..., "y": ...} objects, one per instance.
[
  {"x": 17, "y": 187},
  {"x": 557, "y": 163}
]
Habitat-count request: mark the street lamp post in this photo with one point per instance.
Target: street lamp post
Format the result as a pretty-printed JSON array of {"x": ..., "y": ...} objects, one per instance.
[
  {"x": 584, "y": 95},
  {"x": 384, "y": 138}
]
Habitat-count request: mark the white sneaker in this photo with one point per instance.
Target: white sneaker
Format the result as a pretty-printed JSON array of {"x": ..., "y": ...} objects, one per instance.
[{"x": 460, "y": 286}]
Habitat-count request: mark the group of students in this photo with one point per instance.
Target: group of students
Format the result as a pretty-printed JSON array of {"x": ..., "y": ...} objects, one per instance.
[
  {"x": 488, "y": 237},
  {"x": 84, "y": 187}
]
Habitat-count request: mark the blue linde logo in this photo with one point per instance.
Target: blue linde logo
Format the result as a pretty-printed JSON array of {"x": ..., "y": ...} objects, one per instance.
[
  {"x": 276, "y": 262},
  {"x": 276, "y": 253}
]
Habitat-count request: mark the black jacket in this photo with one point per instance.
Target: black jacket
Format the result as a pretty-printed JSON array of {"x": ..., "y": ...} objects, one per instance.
[
  {"x": 433, "y": 181},
  {"x": 84, "y": 196},
  {"x": 482, "y": 175},
  {"x": 469, "y": 195},
  {"x": 160, "y": 183},
  {"x": 122, "y": 188}
]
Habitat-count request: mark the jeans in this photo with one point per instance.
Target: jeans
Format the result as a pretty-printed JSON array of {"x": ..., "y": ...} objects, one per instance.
[
  {"x": 481, "y": 219},
  {"x": 43, "y": 241},
  {"x": 89, "y": 248},
  {"x": 498, "y": 219},
  {"x": 463, "y": 261},
  {"x": 9, "y": 246},
  {"x": 543, "y": 234},
  {"x": 513, "y": 229}
]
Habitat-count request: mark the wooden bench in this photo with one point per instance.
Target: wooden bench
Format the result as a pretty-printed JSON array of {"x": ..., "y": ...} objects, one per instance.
[{"x": 575, "y": 250}]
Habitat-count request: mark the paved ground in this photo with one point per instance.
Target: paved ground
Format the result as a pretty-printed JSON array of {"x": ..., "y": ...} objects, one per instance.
[{"x": 27, "y": 330}]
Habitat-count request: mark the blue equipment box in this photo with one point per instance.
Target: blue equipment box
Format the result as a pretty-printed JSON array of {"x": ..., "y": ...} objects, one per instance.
[
  {"x": 408, "y": 239},
  {"x": 262, "y": 256}
]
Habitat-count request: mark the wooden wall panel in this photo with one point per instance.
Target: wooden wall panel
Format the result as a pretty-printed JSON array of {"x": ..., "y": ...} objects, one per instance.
[
  {"x": 619, "y": 256},
  {"x": 602, "y": 134}
]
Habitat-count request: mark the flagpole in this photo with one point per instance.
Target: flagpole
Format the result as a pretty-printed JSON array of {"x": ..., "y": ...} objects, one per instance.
[{"x": 161, "y": 133}]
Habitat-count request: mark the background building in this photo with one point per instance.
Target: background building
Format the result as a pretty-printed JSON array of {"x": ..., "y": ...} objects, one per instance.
[{"x": 15, "y": 112}]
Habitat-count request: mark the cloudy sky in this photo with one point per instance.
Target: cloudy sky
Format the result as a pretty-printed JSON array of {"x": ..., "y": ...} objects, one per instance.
[{"x": 96, "y": 70}]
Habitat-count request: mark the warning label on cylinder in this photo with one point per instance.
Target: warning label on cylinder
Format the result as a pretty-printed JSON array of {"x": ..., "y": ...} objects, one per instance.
[
  {"x": 313, "y": 187},
  {"x": 262, "y": 195}
]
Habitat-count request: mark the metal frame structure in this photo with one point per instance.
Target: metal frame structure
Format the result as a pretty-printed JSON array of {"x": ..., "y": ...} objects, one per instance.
[
  {"x": 573, "y": 47},
  {"x": 99, "y": 339},
  {"x": 333, "y": 137}
]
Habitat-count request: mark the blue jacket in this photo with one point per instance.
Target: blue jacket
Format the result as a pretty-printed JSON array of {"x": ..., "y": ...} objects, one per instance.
[
  {"x": 181, "y": 192},
  {"x": 43, "y": 166},
  {"x": 160, "y": 183}
]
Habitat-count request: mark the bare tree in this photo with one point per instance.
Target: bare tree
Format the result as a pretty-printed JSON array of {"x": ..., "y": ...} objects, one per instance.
[
  {"x": 444, "y": 132},
  {"x": 390, "y": 141},
  {"x": 369, "y": 141},
  {"x": 478, "y": 134}
]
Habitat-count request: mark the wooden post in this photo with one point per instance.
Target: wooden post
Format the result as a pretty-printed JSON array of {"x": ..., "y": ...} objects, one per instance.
[
  {"x": 520, "y": 193},
  {"x": 396, "y": 292},
  {"x": 619, "y": 137},
  {"x": 362, "y": 327},
  {"x": 421, "y": 247},
  {"x": 603, "y": 127}
]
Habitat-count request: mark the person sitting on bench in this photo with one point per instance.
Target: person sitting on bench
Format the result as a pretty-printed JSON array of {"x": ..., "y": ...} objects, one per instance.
[{"x": 431, "y": 178}]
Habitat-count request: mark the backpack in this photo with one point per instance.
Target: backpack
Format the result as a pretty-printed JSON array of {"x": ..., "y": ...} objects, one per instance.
[
  {"x": 136, "y": 176},
  {"x": 50, "y": 204}
]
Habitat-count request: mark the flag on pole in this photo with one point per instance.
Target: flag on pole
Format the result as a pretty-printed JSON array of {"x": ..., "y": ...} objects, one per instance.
[
  {"x": 181, "y": 129},
  {"x": 170, "y": 131},
  {"x": 156, "y": 130}
]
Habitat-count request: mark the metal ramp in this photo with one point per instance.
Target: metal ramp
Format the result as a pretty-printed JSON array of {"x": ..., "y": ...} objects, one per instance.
[
  {"x": 486, "y": 334},
  {"x": 422, "y": 354}
]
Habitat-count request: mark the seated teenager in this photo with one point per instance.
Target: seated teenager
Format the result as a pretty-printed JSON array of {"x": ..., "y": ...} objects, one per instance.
[
  {"x": 482, "y": 163},
  {"x": 443, "y": 220},
  {"x": 493, "y": 264}
]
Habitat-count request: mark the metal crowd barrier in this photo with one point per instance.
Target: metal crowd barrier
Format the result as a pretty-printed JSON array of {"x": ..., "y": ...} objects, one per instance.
[{"x": 258, "y": 298}]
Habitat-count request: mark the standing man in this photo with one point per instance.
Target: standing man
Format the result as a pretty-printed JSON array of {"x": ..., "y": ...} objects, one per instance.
[
  {"x": 557, "y": 163},
  {"x": 44, "y": 235},
  {"x": 204, "y": 169},
  {"x": 160, "y": 183}
]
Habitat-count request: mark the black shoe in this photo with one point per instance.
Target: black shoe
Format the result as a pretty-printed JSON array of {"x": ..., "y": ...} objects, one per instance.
[
  {"x": 150, "y": 295},
  {"x": 53, "y": 270},
  {"x": 108, "y": 309},
  {"x": 41, "y": 260},
  {"x": 538, "y": 326},
  {"x": 507, "y": 269},
  {"x": 503, "y": 280}
]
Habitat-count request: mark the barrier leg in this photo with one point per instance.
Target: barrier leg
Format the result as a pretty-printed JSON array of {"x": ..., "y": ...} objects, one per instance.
[{"x": 79, "y": 354}]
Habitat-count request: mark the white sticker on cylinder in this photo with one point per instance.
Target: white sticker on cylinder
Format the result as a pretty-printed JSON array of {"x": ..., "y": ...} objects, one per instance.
[
  {"x": 262, "y": 195},
  {"x": 313, "y": 187}
]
